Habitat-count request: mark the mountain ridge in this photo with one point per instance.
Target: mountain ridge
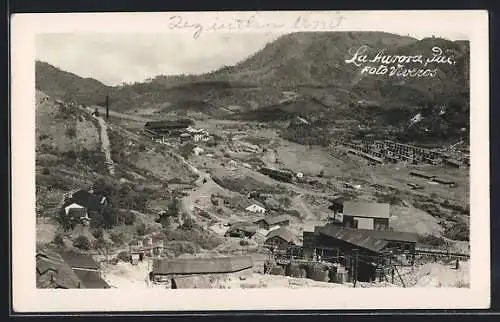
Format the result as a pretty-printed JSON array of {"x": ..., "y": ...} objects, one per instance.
[{"x": 312, "y": 65}]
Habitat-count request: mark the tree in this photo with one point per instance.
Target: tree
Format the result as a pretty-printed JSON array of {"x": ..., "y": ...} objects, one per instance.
[
  {"x": 141, "y": 229},
  {"x": 64, "y": 220},
  {"x": 58, "y": 240},
  {"x": 124, "y": 256},
  {"x": 82, "y": 242},
  {"x": 101, "y": 244},
  {"x": 188, "y": 224}
]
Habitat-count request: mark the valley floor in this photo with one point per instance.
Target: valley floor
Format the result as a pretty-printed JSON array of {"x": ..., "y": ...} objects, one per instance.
[{"x": 229, "y": 172}]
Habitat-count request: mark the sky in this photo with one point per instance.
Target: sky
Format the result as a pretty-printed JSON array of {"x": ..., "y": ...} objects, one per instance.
[
  {"x": 114, "y": 58},
  {"x": 117, "y": 58}
]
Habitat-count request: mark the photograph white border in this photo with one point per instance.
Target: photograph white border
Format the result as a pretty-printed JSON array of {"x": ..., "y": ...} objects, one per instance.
[{"x": 472, "y": 25}]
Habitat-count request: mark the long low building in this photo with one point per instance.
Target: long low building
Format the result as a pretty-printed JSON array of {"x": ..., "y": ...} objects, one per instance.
[{"x": 173, "y": 270}]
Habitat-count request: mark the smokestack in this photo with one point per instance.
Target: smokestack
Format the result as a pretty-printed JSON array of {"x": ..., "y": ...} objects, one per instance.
[{"x": 107, "y": 107}]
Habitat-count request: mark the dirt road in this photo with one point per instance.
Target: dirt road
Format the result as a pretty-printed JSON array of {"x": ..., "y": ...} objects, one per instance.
[
  {"x": 299, "y": 204},
  {"x": 106, "y": 147},
  {"x": 129, "y": 117}
]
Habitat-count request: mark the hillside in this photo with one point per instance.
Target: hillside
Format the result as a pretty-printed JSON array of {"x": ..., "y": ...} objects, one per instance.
[
  {"x": 311, "y": 66},
  {"x": 63, "y": 85},
  {"x": 70, "y": 156}
]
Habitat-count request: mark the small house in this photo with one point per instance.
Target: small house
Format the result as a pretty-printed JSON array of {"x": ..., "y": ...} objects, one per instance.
[
  {"x": 135, "y": 257},
  {"x": 77, "y": 212},
  {"x": 241, "y": 230},
  {"x": 281, "y": 238},
  {"x": 198, "y": 151},
  {"x": 269, "y": 222},
  {"x": 366, "y": 215},
  {"x": 256, "y": 209},
  {"x": 93, "y": 203}
]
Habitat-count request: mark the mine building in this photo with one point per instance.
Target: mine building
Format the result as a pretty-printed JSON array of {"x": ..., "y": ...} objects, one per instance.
[
  {"x": 398, "y": 242},
  {"x": 167, "y": 126},
  {"x": 363, "y": 215},
  {"x": 279, "y": 175},
  {"x": 353, "y": 249}
]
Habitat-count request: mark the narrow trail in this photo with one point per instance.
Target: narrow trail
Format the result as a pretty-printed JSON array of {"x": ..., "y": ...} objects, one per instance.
[
  {"x": 298, "y": 202},
  {"x": 105, "y": 143},
  {"x": 188, "y": 202},
  {"x": 106, "y": 147}
]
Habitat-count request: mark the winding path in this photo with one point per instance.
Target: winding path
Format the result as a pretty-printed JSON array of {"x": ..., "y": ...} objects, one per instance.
[{"x": 105, "y": 143}]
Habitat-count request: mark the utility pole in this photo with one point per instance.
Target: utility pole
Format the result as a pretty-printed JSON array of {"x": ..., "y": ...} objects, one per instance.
[{"x": 107, "y": 107}]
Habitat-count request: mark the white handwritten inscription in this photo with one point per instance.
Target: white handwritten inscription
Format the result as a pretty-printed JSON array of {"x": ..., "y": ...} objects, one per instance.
[
  {"x": 301, "y": 22},
  {"x": 383, "y": 63}
]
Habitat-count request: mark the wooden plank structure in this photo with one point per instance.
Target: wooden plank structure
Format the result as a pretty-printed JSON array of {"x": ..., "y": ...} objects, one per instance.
[{"x": 392, "y": 152}]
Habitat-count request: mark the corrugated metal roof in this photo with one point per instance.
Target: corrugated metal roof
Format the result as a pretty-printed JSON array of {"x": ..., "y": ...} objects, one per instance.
[
  {"x": 201, "y": 265},
  {"x": 91, "y": 279},
  {"x": 421, "y": 174},
  {"x": 76, "y": 260},
  {"x": 283, "y": 233},
  {"x": 453, "y": 161},
  {"x": 52, "y": 271},
  {"x": 391, "y": 235},
  {"x": 243, "y": 226},
  {"x": 443, "y": 180},
  {"x": 366, "y": 209},
  {"x": 354, "y": 237},
  {"x": 276, "y": 219}
]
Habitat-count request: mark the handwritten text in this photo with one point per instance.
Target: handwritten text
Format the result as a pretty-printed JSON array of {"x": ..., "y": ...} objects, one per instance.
[
  {"x": 253, "y": 23},
  {"x": 383, "y": 63}
]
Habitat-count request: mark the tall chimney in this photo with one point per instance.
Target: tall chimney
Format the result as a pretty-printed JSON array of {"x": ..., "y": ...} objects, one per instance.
[{"x": 107, "y": 107}]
